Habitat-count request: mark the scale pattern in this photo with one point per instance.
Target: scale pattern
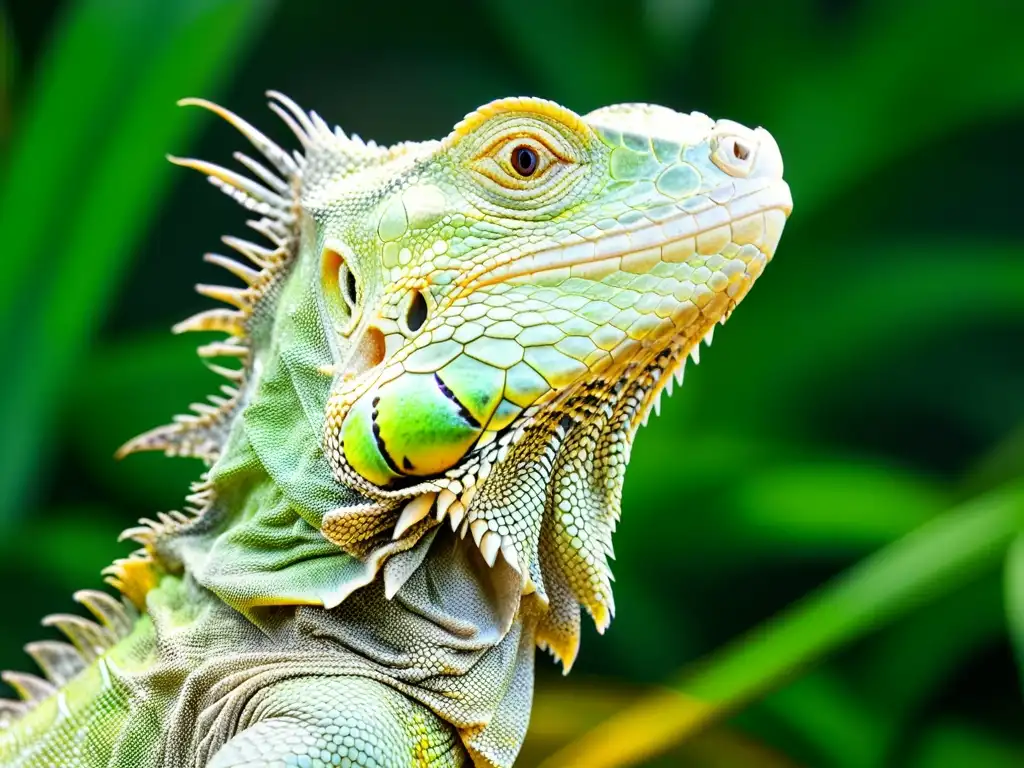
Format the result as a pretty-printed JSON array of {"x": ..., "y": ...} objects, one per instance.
[{"x": 307, "y": 723}]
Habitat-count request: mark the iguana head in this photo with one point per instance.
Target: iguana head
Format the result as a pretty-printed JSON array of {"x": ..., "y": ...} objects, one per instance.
[
  {"x": 527, "y": 286},
  {"x": 531, "y": 258},
  {"x": 504, "y": 307}
]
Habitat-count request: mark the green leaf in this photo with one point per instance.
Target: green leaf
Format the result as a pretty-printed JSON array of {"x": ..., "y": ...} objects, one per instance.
[
  {"x": 859, "y": 713},
  {"x": 786, "y": 506},
  {"x": 1015, "y": 598},
  {"x": 832, "y": 506},
  {"x": 964, "y": 66},
  {"x": 768, "y": 497},
  {"x": 938, "y": 558},
  {"x": 104, "y": 43},
  {"x": 956, "y": 745},
  {"x": 846, "y": 316},
  {"x": 86, "y": 176}
]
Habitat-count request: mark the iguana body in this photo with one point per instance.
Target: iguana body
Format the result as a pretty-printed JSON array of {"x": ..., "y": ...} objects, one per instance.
[{"x": 440, "y": 339}]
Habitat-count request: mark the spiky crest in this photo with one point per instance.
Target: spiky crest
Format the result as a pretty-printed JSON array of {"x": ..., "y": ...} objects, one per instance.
[
  {"x": 274, "y": 197},
  {"x": 59, "y": 661},
  {"x": 273, "y": 194}
]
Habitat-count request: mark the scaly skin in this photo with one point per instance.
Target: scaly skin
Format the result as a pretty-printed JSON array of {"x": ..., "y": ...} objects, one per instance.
[{"x": 443, "y": 338}]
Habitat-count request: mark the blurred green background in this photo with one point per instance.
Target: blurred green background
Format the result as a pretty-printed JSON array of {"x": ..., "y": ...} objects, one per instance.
[{"x": 821, "y": 538}]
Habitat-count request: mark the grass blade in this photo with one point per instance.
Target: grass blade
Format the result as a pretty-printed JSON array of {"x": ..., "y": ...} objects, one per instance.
[
  {"x": 185, "y": 52},
  {"x": 858, "y": 129},
  {"x": 933, "y": 560},
  {"x": 1015, "y": 598},
  {"x": 793, "y": 499},
  {"x": 843, "y": 333},
  {"x": 857, "y": 714},
  {"x": 102, "y": 42}
]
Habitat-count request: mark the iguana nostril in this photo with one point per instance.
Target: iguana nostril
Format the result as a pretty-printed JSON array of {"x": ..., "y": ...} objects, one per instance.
[
  {"x": 735, "y": 151},
  {"x": 416, "y": 312},
  {"x": 351, "y": 288}
]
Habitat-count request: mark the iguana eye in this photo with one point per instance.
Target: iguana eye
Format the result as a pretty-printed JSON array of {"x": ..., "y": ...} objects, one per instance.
[
  {"x": 522, "y": 166},
  {"x": 524, "y": 160},
  {"x": 519, "y": 162}
]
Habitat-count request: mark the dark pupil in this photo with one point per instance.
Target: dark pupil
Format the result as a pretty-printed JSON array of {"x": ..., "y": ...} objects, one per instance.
[
  {"x": 416, "y": 314},
  {"x": 351, "y": 288},
  {"x": 524, "y": 160}
]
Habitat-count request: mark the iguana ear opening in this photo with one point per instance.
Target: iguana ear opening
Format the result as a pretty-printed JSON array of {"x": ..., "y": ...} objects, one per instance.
[{"x": 341, "y": 289}]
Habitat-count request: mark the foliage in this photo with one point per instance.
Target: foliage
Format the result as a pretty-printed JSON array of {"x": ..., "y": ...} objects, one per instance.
[{"x": 852, "y": 445}]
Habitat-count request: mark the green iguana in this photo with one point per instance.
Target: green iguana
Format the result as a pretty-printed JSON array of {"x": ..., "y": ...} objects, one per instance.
[{"x": 442, "y": 354}]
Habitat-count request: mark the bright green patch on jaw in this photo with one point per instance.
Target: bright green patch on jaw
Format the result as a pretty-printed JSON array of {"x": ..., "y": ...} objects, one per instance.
[
  {"x": 420, "y": 428},
  {"x": 361, "y": 445},
  {"x": 422, "y": 423}
]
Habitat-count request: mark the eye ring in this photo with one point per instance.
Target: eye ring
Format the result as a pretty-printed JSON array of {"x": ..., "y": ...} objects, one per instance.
[{"x": 525, "y": 160}]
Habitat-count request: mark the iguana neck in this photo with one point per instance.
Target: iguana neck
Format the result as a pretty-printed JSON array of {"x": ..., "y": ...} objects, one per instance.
[{"x": 258, "y": 541}]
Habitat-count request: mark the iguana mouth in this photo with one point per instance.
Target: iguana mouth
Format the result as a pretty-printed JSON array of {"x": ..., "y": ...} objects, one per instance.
[{"x": 674, "y": 236}]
